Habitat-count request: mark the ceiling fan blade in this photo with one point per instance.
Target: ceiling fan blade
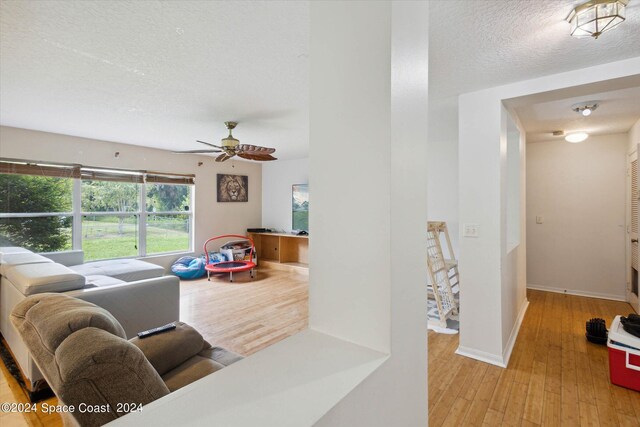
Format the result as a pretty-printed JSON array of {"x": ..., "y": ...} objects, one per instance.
[
  {"x": 255, "y": 149},
  {"x": 197, "y": 151},
  {"x": 223, "y": 157},
  {"x": 207, "y": 143},
  {"x": 257, "y": 157}
]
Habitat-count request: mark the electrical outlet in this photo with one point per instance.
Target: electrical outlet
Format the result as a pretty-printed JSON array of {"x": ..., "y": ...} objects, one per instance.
[
  {"x": 539, "y": 219},
  {"x": 471, "y": 230}
]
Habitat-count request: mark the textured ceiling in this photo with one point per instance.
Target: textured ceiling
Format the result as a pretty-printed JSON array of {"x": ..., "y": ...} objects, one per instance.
[
  {"x": 617, "y": 111},
  {"x": 485, "y": 43},
  {"x": 163, "y": 74},
  {"x": 160, "y": 74}
]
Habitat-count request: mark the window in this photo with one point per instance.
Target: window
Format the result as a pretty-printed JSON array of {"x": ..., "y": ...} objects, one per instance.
[
  {"x": 118, "y": 214},
  {"x": 110, "y": 213},
  {"x": 35, "y": 212},
  {"x": 36, "y": 207},
  {"x": 168, "y": 226}
]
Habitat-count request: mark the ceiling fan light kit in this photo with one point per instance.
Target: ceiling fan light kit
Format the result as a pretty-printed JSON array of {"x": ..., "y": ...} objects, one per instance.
[
  {"x": 230, "y": 141},
  {"x": 231, "y": 147},
  {"x": 595, "y": 17}
]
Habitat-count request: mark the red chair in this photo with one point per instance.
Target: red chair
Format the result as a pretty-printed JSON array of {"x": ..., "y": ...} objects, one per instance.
[{"x": 229, "y": 266}]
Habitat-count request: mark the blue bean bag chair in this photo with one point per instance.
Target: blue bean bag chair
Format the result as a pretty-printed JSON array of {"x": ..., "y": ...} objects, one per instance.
[{"x": 188, "y": 267}]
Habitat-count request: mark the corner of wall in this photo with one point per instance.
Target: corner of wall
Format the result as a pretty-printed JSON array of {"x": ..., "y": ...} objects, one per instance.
[{"x": 508, "y": 348}]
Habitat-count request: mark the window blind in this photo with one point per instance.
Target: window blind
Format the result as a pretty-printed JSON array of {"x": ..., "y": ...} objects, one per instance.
[
  {"x": 25, "y": 167},
  {"x": 101, "y": 174},
  {"x": 164, "y": 178},
  {"x": 61, "y": 170}
]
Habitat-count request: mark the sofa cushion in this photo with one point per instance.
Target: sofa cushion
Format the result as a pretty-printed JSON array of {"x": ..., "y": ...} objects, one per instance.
[
  {"x": 72, "y": 257},
  {"x": 129, "y": 270},
  {"x": 99, "y": 281},
  {"x": 44, "y": 277},
  {"x": 56, "y": 316},
  {"x": 169, "y": 349},
  {"x": 18, "y": 258},
  {"x": 12, "y": 249}
]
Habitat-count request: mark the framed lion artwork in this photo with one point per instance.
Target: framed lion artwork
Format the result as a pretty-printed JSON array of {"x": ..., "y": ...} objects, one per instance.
[{"x": 233, "y": 188}]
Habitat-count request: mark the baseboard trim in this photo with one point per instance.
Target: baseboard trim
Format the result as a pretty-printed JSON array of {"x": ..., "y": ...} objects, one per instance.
[
  {"x": 577, "y": 293},
  {"x": 503, "y": 360},
  {"x": 506, "y": 353},
  {"x": 481, "y": 356}
]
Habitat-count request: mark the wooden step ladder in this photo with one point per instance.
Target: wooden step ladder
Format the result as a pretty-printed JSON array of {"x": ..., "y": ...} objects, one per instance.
[
  {"x": 443, "y": 272},
  {"x": 440, "y": 227}
]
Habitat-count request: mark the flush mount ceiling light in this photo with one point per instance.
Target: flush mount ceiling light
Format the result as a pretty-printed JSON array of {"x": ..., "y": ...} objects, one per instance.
[
  {"x": 585, "y": 108},
  {"x": 576, "y": 137},
  {"x": 594, "y": 17}
]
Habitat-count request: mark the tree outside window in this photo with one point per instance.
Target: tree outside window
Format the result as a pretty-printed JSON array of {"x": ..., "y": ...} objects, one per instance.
[{"x": 48, "y": 200}]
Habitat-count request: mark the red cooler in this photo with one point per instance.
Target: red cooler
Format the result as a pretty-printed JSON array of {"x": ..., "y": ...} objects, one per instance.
[{"x": 624, "y": 357}]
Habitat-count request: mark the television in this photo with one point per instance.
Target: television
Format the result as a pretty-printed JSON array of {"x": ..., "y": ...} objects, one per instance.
[{"x": 300, "y": 202}]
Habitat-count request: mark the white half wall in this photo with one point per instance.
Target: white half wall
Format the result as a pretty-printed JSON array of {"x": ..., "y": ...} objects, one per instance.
[
  {"x": 493, "y": 278},
  {"x": 579, "y": 192},
  {"x": 277, "y": 179},
  {"x": 211, "y": 218}
]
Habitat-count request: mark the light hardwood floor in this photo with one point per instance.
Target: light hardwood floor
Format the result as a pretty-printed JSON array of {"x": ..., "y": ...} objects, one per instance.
[
  {"x": 554, "y": 378},
  {"x": 247, "y": 315}
]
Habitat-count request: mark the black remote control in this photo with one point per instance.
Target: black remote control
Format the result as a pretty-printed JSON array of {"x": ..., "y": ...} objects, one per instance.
[{"x": 157, "y": 330}]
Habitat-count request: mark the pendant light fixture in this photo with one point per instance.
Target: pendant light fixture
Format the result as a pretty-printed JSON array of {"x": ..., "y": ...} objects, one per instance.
[{"x": 595, "y": 17}]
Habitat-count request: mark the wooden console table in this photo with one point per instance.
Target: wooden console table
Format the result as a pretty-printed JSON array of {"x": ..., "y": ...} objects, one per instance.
[{"x": 282, "y": 251}]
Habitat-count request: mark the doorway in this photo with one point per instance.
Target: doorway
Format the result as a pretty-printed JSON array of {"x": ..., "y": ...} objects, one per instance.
[{"x": 577, "y": 193}]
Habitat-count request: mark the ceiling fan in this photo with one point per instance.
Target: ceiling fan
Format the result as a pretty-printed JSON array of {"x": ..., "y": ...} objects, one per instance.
[{"x": 231, "y": 147}]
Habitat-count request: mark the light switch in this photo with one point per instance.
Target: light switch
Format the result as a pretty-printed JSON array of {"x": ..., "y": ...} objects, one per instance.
[
  {"x": 470, "y": 230},
  {"x": 539, "y": 219}
]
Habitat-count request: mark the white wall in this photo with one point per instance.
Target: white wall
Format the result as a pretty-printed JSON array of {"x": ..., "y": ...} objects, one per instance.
[
  {"x": 442, "y": 193},
  {"x": 211, "y": 218},
  {"x": 634, "y": 137},
  {"x": 442, "y": 171},
  {"x": 277, "y": 179},
  {"x": 579, "y": 190},
  {"x": 513, "y": 232},
  {"x": 494, "y": 283}
]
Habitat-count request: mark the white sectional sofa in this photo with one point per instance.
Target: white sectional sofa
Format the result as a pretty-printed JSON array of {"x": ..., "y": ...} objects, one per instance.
[{"x": 135, "y": 292}]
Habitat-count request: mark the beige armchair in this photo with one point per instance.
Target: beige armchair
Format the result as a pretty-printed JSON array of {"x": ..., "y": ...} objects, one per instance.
[{"x": 82, "y": 351}]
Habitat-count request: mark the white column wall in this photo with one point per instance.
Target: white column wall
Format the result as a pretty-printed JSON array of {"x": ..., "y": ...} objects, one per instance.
[
  {"x": 349, "y": 171},
  {"x": 479, "y": 201},
  {"x": 371, "y": 265}
]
